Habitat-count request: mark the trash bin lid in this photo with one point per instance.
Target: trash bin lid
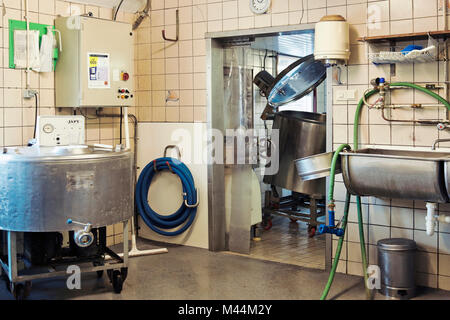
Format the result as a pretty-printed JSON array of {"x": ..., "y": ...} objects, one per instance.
[{"x": 397, "y": 244}]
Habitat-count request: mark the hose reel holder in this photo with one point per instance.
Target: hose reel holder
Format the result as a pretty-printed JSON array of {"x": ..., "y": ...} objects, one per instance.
[{"x": 185, "y": 215}]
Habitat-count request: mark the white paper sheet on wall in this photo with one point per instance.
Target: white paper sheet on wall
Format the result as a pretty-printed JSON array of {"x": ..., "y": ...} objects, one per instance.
[
  {"x": 20, "y": 49},
  {"x": 46, "y": 53},
  {"x": 99, "y": 71}
]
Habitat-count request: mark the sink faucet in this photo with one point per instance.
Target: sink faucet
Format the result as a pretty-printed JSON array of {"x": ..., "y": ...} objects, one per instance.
[{"x": 433, "y": 147}]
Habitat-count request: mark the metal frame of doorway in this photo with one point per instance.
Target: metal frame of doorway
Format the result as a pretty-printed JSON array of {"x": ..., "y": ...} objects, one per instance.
[{"x": 214, "y": 87}]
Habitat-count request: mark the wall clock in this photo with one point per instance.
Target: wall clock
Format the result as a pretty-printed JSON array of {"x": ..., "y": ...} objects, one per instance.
[{"x": 259, "y": 6}]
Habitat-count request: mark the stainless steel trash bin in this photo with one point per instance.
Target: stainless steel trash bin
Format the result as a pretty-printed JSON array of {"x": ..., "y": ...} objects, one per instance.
[{"x": 397, "y": 266}]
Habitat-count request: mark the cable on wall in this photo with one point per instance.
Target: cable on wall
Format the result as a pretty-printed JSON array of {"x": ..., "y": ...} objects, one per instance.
[
  {"x": 121, "y": 121},
  {"x": 35, "y": 114},
  {"x": 117, "y": 10}
]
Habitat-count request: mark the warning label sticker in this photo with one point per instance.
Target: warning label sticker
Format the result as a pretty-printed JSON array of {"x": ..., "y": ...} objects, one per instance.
[{"x": 99, "y": 71}]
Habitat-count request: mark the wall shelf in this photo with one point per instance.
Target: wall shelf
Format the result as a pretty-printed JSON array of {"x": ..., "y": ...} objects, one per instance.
[
  {"x": 428, "y": 54},
  {"x": 406, "y": 37}
]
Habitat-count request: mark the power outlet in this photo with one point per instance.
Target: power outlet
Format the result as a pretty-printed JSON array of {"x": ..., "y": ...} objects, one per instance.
[{"x": 344, "y": 95}]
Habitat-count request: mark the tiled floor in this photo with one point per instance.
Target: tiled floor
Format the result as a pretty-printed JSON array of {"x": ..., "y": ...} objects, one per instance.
[
  {"x": 288, "y": 242},
  {"x": 186, "y": 273}
]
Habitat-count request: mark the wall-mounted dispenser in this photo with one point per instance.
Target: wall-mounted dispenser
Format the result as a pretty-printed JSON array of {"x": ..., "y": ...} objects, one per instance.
[{"x": 331, "y": 40}]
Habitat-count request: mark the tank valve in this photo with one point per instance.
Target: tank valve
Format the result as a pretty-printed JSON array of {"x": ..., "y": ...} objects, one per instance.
[
  {"x": 84, "y": 237},
  {"x": 331, "y": 228},
  {"x": 339, "y": 232}
]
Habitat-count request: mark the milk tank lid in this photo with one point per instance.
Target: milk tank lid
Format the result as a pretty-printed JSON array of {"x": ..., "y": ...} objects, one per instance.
[{"x": 40, "y": 152}]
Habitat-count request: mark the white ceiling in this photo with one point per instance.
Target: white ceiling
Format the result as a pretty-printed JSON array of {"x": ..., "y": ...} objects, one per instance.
[{"x": 128, "y": 5}]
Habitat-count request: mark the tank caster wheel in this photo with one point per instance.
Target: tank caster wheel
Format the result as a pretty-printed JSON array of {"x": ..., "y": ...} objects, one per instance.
[
  {"x": 311, "y": 231},
  {"x": 99, "y": 274},
  {"x": 117, "y": 281},
  {"x": 19, "y": 291},
  {"x": 268, "y": 225},
  {"x": 27, "y": 288}
]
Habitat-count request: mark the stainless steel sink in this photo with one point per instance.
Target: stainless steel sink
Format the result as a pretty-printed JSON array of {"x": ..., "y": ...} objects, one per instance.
[{"x": 414, "y": 175}]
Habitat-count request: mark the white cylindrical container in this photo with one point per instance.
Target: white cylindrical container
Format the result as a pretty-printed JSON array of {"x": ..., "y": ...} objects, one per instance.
[{"x": 331, "y": 41}]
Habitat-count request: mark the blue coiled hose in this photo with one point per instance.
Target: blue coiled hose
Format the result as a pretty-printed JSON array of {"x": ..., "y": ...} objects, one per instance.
[{"x": 184, "y": 215}]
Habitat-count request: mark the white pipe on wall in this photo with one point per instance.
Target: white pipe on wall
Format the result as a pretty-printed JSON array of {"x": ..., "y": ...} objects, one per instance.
[
  {"x": 430, "y": 219},
  {"x": 27, "y": 71},
  {"x": 127, "y": 132}
]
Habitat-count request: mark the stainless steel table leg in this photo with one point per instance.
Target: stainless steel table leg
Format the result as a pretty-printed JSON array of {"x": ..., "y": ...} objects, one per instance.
[
  {"x": 313, "y": 212},
  {"x": 12, "y": 256}
]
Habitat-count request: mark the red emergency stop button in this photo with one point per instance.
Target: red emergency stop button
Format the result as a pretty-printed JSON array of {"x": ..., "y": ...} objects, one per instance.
[{"x": 125, "y": 76}]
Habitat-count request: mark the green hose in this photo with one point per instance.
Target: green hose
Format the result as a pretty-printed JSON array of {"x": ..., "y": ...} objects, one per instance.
[
  {"x": 344, "y": 219},
  {"x": 338, "y": 249},
  {"x": 347, "y": 204},
  {"x": 424, "y": 90},
  {"x": 333, "y": 170},
  {"x": 357, "y": 116},
  {"x": 358, "y": 198},
  {"x": 362, "y": 241},
  {"x": 362, "y": 244}
]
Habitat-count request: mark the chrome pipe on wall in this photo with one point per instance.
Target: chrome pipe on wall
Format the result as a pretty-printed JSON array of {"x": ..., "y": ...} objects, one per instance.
[{"x": 142, "y": 15}]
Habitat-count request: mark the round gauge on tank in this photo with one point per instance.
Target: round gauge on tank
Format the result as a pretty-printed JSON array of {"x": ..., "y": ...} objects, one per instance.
[
  {"x": 259, "y": 6},
  {"x": 48, "y": 128}
]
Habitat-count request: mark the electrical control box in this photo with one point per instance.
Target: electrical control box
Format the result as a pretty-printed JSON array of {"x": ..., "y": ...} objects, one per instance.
[
  {"x": 95, "y": 68},
  {"x": 60, "y": 131}
]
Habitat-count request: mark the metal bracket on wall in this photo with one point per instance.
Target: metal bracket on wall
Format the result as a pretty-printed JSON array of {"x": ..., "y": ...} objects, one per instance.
[
  {"x": 178, "y": 29},
  {"x": 392, "y": 66}
]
